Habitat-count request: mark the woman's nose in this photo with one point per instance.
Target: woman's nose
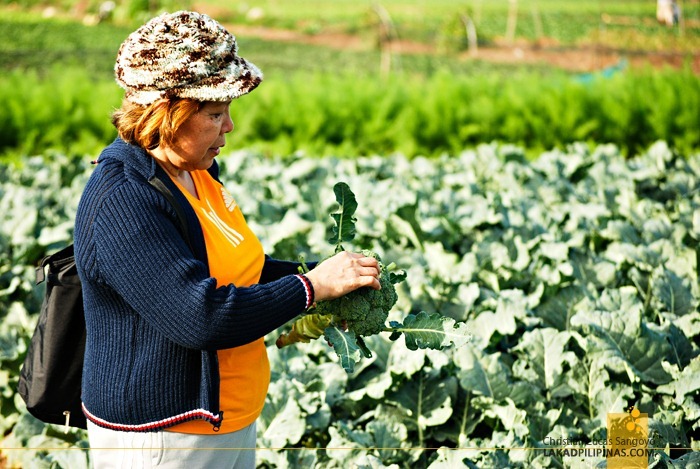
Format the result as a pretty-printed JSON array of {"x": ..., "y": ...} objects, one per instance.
[{"x": 228, "y": 125}]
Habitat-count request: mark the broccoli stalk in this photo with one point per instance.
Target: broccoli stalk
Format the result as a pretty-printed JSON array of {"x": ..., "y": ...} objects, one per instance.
[
  {"x": 305, "y": 329},
  {"x": 364, "y": 310},
  {"x": 361, "y": 313}
]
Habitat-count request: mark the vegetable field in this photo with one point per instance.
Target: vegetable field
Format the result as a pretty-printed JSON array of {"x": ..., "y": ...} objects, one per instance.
[
  {"x": 552, "y": 213},
  {"x": 576, "y": 274}
]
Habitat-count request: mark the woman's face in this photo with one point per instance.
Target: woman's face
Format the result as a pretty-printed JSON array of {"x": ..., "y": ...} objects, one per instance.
[{"x": 200, "y": 138}]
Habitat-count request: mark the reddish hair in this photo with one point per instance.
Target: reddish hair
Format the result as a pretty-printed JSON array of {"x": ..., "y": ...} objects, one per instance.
[{"x": 155, "y": 124}]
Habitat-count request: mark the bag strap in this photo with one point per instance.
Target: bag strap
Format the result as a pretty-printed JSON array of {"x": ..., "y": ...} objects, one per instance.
[
  {"x": 39, "y": 272},
  {"x": 59, "y": 258},
  {"x": 163, "y": 189}
]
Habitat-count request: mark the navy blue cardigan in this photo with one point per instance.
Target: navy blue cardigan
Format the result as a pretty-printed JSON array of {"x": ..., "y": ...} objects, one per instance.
[{"x": 154, "y": 316}]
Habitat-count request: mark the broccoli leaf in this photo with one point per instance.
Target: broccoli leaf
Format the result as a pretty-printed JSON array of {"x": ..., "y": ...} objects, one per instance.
[
  {"x": 345, "y": 345},
  {"x": 685, "y": 383},
  {"x": 672, "y": 293},
  {"x": 283, "y": 422},
  {"x": 363, "y": 347},
  {"x": 397, "y": 276},
  {"x": 616, "y": 333},
  {"x": 487, "y": 374},
  {"x": 430, "y": 330},
  {"x": 344, "y": 220}
]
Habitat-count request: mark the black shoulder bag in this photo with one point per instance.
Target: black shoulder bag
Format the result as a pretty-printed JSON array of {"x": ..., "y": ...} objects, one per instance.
[{"x": 50, "y": 378}]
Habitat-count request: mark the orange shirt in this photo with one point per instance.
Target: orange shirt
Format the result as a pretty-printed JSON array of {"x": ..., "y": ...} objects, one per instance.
[{"x": 236, "y": 257}]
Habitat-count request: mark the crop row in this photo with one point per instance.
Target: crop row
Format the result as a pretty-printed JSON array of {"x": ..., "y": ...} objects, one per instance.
[{"x": 349, "y": 115}]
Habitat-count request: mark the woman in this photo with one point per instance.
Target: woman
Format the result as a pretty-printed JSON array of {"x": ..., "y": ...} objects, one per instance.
[{"x": 175, "y": 359}]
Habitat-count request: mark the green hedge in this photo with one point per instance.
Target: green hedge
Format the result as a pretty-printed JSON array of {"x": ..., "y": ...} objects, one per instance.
[
  {"x": 349, "y": 115},
  {"x": 447, "y": 113}
]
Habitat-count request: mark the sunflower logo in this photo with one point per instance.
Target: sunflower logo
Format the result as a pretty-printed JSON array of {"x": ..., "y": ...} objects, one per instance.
[{"x": 228, "y": 200}]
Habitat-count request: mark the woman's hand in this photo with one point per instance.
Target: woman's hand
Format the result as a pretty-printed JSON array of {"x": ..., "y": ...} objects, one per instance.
[{"x": 343, "y": 273}]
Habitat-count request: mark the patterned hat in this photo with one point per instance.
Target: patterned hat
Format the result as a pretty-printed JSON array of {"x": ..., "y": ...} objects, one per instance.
[{"x": 183, "y": 54}]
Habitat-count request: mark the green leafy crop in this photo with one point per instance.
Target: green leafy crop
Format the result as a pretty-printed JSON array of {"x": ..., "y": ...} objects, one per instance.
[
  {"x": 576, "y": 274},
  {"x": 364, "y": 312}
]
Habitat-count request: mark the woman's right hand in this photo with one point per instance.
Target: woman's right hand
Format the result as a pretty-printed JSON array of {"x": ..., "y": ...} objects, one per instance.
[{"x": 343, "y": 273}]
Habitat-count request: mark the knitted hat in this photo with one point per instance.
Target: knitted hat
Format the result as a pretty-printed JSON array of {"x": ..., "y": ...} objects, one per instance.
[{"x": 183, "y": 54}]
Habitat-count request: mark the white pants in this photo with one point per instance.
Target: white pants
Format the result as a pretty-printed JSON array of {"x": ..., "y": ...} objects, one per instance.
[{"x": 110, "y": 449}]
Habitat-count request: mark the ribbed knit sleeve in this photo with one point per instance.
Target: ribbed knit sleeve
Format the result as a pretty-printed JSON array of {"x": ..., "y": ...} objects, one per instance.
[
  {"x": 140, "y": 254},
  {"x": 274, "y": 269}
]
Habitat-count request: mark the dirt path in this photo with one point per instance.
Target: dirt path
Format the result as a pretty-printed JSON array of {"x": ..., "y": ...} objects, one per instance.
[{"x": 578, "y": 59}]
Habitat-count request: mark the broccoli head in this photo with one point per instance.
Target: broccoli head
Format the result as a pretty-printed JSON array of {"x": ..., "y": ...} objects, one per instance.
[{"x": 365, "y": 310}]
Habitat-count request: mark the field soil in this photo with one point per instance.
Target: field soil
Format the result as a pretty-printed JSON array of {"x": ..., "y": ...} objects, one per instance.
[{"x": 582, "y": 58}]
